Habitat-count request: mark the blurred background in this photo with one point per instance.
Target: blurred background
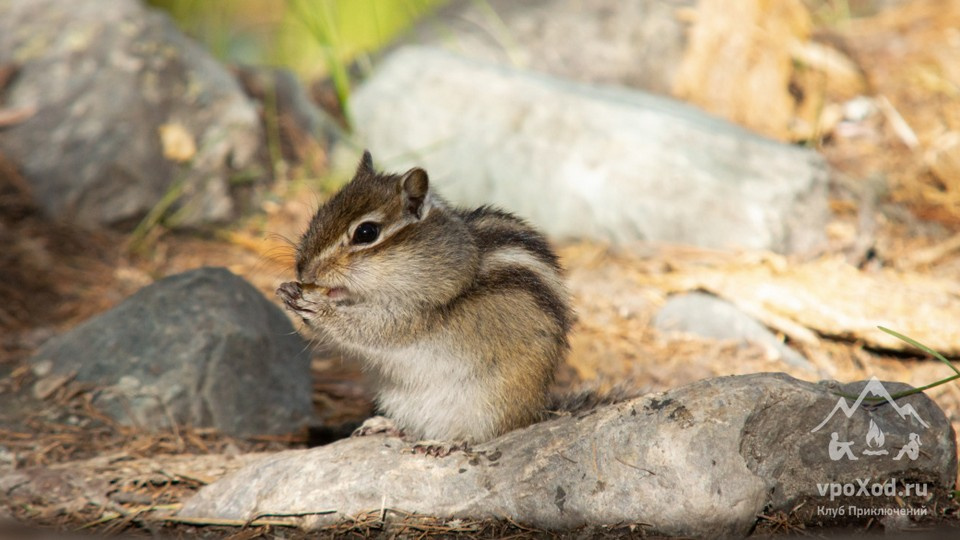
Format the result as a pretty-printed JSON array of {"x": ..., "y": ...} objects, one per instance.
[
  {"x": 733, "y": 187},
  {"x": 311, "y": 38}
]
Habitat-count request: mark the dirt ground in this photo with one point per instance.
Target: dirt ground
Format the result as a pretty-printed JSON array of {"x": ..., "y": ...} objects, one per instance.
[{"x": 893, "y": 258}]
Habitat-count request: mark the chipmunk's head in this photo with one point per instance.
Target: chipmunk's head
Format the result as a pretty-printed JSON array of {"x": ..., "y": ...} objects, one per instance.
[{"x": 385, "y": 238}]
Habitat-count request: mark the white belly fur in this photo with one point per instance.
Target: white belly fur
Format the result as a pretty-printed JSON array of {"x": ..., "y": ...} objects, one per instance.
[{"x": 432, "y": 393}]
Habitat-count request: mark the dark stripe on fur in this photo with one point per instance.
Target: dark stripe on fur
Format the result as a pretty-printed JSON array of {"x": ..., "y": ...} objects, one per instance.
[
  {"x": 472, "y": 216},
  {"x": 508, "y": 230},
  {"x": 518, "y": 278},
  {"x": 490, "y": 239}
]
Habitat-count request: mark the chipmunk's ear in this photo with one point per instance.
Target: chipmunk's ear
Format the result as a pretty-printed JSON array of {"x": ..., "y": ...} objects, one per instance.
[
  {"x": 414, "y": 186},
  {"x": 366, "y": 163}
]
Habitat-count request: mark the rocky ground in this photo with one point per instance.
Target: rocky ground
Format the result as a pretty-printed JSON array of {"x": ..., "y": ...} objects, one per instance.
[{"x": 892, "y": 258}]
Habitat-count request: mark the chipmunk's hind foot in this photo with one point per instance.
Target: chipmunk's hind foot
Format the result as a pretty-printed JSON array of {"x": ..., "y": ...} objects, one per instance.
[
  {"x": 440, "y": 449},
  {"x": 378, "y": 425}
]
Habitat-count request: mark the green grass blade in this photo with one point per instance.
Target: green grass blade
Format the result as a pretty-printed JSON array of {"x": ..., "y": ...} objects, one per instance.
[{"x": 922, "y": 347}]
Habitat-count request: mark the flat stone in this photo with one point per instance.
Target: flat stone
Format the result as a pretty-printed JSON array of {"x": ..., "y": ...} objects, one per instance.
[{"x": 703, "y": 460}]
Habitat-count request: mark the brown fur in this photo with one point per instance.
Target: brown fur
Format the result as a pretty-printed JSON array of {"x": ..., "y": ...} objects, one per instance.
[{"x": 460, "y": 315}]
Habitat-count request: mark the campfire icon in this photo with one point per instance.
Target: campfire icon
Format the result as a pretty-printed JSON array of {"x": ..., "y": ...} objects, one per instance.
[{"x": 875, "y": 438}]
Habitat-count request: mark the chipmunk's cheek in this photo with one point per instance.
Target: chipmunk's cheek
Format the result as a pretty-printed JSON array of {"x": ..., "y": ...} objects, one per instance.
[
  {"x": 323, "y": 299},
  {"x": 338, "y": 294}
]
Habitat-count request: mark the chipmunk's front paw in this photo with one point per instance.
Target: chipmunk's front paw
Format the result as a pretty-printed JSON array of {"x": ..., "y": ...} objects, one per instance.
[
  {"x": 378, "y": 425},
  {"x": 440, "y": 449},
  {"x": 291, "y": 293},
  {"x": 303, "y": 300}
]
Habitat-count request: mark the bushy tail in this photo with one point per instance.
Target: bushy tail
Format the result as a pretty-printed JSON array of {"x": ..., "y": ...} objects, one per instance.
[{"x": 589, "y": 399}]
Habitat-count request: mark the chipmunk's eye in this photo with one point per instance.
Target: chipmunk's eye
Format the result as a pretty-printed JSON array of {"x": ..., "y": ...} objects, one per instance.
[{"x": 366, "y": 233}]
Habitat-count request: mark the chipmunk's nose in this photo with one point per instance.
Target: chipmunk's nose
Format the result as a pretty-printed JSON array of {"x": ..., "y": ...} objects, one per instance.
[{"x": 307, "y": 272}]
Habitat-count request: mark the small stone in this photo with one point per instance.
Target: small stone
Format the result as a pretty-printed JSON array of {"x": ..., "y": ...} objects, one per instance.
[
  {"x": 46, "y": 386},
  {"x": 202, "y": 348},
  {"x": 859, "y": 109},
  {"x": 42, "y": 368},
  {"x": 707, "y": 316}
]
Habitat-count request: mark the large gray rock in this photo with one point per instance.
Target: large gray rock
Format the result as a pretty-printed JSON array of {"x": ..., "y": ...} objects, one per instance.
[
  {"x": 589, "y": 162},
  {"x": 702, "y": 461},
  {"x": 639, "y": 44},
  {"x": 108, "y": 80},
  {"x": 202, "y": 348}
]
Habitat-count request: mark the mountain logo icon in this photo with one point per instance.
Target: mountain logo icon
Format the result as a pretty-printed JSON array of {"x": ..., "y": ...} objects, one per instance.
[{"x": 873, "y": 388}]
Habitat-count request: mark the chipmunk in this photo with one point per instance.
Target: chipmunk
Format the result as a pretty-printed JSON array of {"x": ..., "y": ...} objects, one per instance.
[{"x": 460, "y": 316}]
